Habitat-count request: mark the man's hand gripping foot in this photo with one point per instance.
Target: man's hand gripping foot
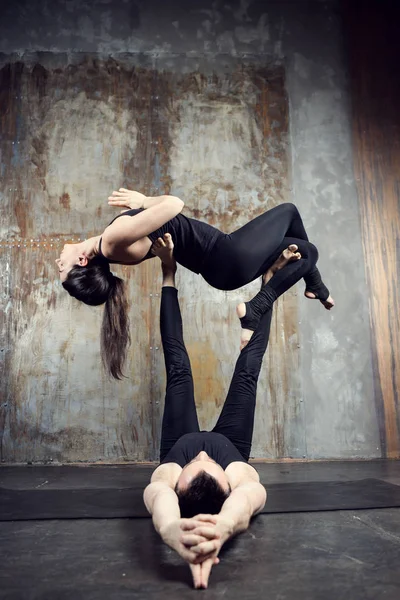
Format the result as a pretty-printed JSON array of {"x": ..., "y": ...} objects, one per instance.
[{"x": 164, "y": 249}]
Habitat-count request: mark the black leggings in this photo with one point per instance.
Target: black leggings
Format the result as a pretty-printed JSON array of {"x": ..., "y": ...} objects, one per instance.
[
  {"x": 237, "y": 416},
  {"x": 240, "y": 257}
]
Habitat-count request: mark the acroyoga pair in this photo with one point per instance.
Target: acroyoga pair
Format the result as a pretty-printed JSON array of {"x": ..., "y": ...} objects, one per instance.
[{"x": 204, "y": 490}]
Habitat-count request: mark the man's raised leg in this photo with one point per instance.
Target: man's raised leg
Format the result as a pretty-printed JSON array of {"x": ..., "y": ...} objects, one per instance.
[
  {"x": 180, "y": 415},
  {"x": 236, "y": 421}
]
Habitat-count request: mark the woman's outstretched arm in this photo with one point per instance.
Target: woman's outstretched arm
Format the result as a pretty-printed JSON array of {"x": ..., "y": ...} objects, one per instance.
[
  {"x": 127, "y": 199},
  {"x": 126, "y": 230}
]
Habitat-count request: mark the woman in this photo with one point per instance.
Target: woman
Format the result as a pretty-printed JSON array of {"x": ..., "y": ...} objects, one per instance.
[{"x": 225, "y": 261}]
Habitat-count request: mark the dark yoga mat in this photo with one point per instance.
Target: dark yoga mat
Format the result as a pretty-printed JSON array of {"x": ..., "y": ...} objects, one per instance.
[{"x": 25, "y": 505}]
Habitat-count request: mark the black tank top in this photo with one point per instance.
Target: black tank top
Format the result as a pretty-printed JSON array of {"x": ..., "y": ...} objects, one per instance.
[
  {"x": 193, "y": 240},
  {"x": 130, "y": 213},
  {"x": 217, "y": 446}
]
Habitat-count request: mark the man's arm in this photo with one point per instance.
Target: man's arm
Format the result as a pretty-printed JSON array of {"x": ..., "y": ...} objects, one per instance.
[
  {"x": 160, "y": 498},
  {"x": 162, "y": 503},
  {"x": 246, "y": 500}
]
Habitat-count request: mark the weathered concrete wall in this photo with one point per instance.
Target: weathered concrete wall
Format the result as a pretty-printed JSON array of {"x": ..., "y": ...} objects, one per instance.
[
  {"x": 316, "y": 396},
  {"x": 376, "y": 138}
]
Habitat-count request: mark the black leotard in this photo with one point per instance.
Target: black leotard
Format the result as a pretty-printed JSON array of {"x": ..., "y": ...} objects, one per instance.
[
  {"x": 228, "y": 261},
  {"x": 132, "y": 212},
  {"x": 193, "y": 240}
]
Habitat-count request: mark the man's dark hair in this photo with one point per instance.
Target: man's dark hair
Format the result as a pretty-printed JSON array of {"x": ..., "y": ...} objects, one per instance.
[{"x": 203, "y": 495}]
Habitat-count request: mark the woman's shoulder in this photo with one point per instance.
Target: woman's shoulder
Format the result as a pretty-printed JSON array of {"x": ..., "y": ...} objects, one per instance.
[
  {"x": 131, "y": 212},
  {"x": 127, "y": 255}
]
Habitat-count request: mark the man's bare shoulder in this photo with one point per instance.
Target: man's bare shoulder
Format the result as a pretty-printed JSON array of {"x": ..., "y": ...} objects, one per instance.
[
  {"x": 239, "y": 472},
  {"x": 167, "y": 473}
]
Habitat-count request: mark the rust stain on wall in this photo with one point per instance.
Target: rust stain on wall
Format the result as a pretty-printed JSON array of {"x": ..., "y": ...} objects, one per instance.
[
  {"x": 283, "y": 352},
  {"x": 39, "y": 150},
  {"x": 60, "y": 389},
  {"x": 22, "y": 215},
  {"x": 376, "y": 128},
  {"x": 262, "y": 92},
  {"x": 10, "y": 77},
  {"x": 208, "y": 384},
  {"x": 34, "y": 100},
  {"x": 33, "y": 209},
  {"x": 65, "y": 201}
]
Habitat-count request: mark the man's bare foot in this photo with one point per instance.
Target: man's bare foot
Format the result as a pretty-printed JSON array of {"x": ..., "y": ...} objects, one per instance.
[
  {"x": 290, "y": 254},
  {"x": 164, "y": 249},
  {"x": 328, "y": 303}
]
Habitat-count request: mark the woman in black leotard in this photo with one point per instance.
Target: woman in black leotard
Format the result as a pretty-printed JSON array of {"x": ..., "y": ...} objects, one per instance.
[{"x": 226, "y": 261}]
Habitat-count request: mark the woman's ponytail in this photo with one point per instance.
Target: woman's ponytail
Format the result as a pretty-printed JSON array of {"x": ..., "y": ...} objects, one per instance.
[{"x": 115, "y": 337}]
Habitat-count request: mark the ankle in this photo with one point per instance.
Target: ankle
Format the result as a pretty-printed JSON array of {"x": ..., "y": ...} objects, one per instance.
[
  {"x": 268, "y": 276},
  {"x": 241, "y": 310},
  {"x": 168, "y": 281}
]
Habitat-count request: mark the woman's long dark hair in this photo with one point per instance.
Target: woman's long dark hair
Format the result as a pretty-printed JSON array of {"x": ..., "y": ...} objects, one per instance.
[{"x": 94, "y": 284}]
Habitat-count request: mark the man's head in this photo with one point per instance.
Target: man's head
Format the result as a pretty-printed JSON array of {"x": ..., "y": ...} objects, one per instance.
[{"x": 202, "y": 487}]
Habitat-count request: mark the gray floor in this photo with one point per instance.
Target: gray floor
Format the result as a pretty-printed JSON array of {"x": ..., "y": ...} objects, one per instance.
[{"x": 354, "y": 555}]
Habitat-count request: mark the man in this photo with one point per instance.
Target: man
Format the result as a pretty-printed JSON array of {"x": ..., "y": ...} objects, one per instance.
[{"x": 204, "y": 490}]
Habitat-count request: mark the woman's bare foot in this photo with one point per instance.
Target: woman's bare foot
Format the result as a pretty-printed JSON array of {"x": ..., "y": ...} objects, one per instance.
[
  {"x": 164, "y": 249},
  {"x": 328, "y": 303},
  {"x": 290, "y": 254}
]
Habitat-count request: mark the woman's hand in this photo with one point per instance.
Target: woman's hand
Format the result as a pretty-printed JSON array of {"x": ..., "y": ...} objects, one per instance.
[{"x": 126, "y": 199}]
